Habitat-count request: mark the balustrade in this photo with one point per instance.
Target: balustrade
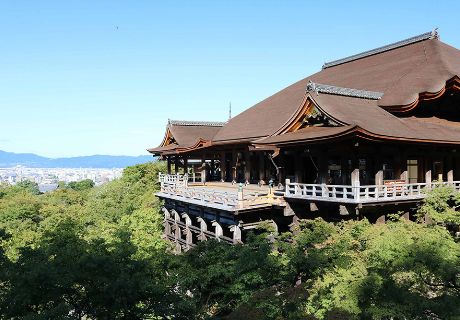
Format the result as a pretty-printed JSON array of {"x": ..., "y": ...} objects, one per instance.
[
  {"x": 177, "y": 186},
  {"x": 360, "y": 194}
]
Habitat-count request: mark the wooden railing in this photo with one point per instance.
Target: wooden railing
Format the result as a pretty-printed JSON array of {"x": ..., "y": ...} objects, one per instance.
[
  {"x": 195, "y": 177},
  {"x": 172, "y": 180},
  {"x": 176, "y": 187},
  {"x": 224, "y": 200},
  {"x": 202, "y": 196},
  {"x": 360, "y": 194}
]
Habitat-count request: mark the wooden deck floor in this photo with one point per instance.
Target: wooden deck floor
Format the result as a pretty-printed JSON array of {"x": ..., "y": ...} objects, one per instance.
[{"x": 229, "y": 187}]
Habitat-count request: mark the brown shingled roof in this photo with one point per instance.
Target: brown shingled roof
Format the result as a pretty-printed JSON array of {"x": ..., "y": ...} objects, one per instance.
[
  {"x": 362, "y": 93},
  {"x": 365, "y": 117},
  {"x": 187, "y": 134},
  {"x": 401, "y": 74}
]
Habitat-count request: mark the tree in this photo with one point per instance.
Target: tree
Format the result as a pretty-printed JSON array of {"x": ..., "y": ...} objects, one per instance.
[
  {"x": 67, "y": 277},
  {"x": 80, "y": 185},
  {"x": 28, "y": 186},
  {"x": 441, "y": 206},
  {"x": 217, "y": 277}
]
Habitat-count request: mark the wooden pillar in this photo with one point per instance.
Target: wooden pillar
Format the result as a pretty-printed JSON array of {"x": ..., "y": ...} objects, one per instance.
[
  {"x": 223, "y": 168},
  {"x": 456, "y": 166},
  {"x": 404, "y": 173},
  {"x": 322, "y": 164},
  {"x": 218, "y": 229},
  {"x": 212, "y": 173},
  {"x": 298, "y": 166},
  {"x": 176, "y": 164},
  {"x": 355, "y": 177},
  {"x": 247, "y": 166},
  {"x": 403, "y": 165},
  {"x": 262, "y": 167},
  {"x": 203, "y": 228},
  {"x": 236, "y": 234},
  {"x": 344, "y": 168},
  {"x": 185, "y": 164},
  {"x": 397, "y": 165},
  {"x": 188, "y": 232},
  {"x": 355, "y": 171},
  {"x": 168, "y": 160},
  {"x": 282, "y": 168},
  {"x": 450, "y": 169},
  {"x": 177, "y": 231},
  {"x": 379, "y": 174},
  {"x": 167, "y": 225},
  {"x": 203, "y": 168},
  {"x": 233, "y": 165},
  {"x": 428, "y": 177}
]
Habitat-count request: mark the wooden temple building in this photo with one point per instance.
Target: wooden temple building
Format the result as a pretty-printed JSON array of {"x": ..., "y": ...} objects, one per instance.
[{"x": 363, "y": 137}]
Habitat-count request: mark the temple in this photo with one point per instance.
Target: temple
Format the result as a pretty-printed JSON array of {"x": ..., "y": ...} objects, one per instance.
[{"x": 365, "y": 136}]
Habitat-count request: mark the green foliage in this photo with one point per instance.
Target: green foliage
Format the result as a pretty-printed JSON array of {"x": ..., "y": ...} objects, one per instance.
[
  {"x": 232, "y": 273},
  {"x": 80, "y": 185},
  {"x": 441, "y": 206},
  {"x": 70, "y": 278},
  {"x": 364, "y": 271},
  {"x": 28, "y": 186},
  {"x": 85, "y": 252}
]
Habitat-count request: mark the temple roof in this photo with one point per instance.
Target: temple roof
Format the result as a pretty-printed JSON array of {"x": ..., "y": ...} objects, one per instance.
[
  {"x": 369, "y": 92},
  {"x": 186, "y": 134},
  {"x": 363, "y": 117},
  {"x": 425, "y": 36}
]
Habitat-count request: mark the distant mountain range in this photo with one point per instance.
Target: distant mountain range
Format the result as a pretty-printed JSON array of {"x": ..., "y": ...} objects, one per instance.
[{"x": 11, "y": 159}]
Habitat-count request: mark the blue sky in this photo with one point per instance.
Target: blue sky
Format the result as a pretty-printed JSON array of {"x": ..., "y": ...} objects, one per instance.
[{"x": 102, "y": 77}]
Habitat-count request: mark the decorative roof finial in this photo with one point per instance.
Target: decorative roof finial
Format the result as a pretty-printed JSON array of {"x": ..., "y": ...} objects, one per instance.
[
  {"x": 311, "y": 86},
  {"x": 435, "y": 34}
]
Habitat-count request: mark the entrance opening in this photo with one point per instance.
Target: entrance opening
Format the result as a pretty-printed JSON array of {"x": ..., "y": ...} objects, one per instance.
[{"x": 412, "y": 170}]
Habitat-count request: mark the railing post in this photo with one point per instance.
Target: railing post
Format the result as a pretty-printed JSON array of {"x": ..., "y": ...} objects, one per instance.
[
  {"x": 288, "y": 187},
  {"x": 240, "y": 196},
  {"x": 357, "y": 191},
  {"x": 324, "y": 192}
]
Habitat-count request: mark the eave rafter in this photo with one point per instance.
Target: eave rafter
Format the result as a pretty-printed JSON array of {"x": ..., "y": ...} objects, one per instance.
[
  {"x": 452, "y": 85},
  {"x": 354, "y": 132}
]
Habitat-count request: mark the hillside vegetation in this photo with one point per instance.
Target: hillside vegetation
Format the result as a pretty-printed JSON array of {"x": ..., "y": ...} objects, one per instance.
[{"x": 85, "y": 252}]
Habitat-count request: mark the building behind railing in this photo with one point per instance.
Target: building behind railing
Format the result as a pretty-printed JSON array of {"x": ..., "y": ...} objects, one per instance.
[
  {"x": 364, "y": 137},
  {"x": 197, "y": 212}
]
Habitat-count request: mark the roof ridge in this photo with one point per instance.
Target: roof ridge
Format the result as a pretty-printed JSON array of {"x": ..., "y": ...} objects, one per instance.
[
  {"x": 342, "y": 91},
  {"x": 196, "y": 123},
  {"x": 424, "y": 36}
]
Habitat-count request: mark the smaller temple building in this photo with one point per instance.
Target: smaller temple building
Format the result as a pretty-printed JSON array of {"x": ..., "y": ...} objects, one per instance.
[{"x": 365, "y": 136}]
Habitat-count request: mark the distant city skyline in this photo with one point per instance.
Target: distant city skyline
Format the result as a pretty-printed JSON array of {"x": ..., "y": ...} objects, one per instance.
[{"x": 103, "y": 77}]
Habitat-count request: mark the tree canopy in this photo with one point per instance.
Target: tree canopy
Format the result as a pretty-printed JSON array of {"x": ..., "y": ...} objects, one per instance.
[{"x": 96, "y": 252}]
